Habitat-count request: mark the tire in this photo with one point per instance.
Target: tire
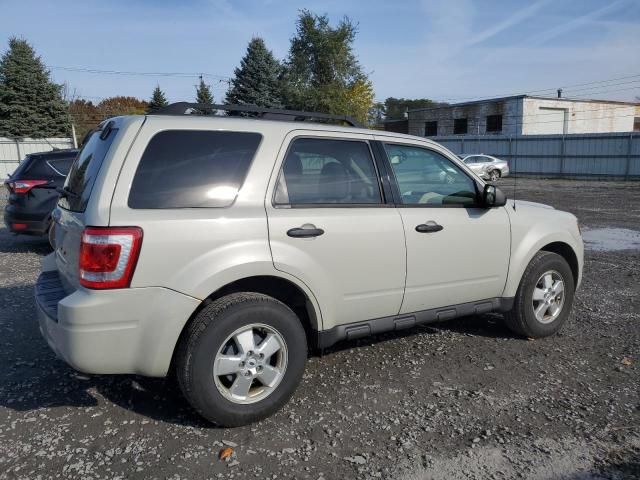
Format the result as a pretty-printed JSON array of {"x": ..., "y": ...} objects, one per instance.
[
  {"x": 209, "y": 347},
  {"x": 522, "y": 318},
  {"x": 494, "y": 175}
]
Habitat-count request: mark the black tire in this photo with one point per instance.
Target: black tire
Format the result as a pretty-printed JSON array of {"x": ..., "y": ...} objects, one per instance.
[
  {"x": 204, "y": 337},
  {"x": 521, "y": 319}
]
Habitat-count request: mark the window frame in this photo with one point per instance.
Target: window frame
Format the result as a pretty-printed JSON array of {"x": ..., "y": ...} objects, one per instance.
[
  {"x": 466, "y": 125},
  {"x": 223, "y": 207},
  {"x": 431, "y": 123},
  {"x": 497, "y": 115},
  {"x": 386, "y": 195},
  {"x": 396, "y": 187}
]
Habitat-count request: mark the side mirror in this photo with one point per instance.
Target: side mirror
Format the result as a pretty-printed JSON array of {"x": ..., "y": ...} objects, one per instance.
[{"x": 493, "y": 197}]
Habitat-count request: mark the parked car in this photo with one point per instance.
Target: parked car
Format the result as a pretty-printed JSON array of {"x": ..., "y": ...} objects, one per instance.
[
  {"x": 222, "y": 248},
  {"x": 33, "y": 190},
  {"x": 487, "y": 167}
]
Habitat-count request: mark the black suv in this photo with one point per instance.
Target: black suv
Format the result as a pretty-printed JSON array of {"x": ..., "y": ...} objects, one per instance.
[{"x": 33, "y": 190}]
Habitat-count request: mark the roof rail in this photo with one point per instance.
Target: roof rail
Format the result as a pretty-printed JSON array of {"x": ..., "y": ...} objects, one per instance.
[{"x": 182, "y": 108}]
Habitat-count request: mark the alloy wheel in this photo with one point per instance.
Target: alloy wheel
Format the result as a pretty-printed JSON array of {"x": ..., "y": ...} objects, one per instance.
[{"x": 548, "y": 297}]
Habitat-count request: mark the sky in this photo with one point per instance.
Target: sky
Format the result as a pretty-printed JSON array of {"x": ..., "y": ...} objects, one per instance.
[{"x": 447, "y": 50}]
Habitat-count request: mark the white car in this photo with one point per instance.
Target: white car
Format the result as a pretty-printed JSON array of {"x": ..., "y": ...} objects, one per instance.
[
  {"x": 487, "y": 167},
  {"x": 222, "y": 248}
]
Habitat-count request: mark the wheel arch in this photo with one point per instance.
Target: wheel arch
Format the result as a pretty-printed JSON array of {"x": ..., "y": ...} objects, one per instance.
[
  {"x": 565, "y": 251},
  {"x": 301, "y": 302}
]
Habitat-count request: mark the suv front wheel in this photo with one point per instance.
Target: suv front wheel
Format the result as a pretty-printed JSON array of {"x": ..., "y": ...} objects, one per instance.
[
  {"x": 241, "y": 358},
  {"x": 544, "y": 297}
]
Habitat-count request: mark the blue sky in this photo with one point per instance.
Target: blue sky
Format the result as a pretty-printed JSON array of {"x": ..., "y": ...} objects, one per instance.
[{"x": 450, "y": 50}]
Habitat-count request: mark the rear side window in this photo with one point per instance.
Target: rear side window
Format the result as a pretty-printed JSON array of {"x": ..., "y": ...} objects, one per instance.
[
  {"x": 188, "y": 169},
  {"x": 84, "y": 171},
  {"x": 327, "y": 171},
  {"x": 61, "y": 166}
]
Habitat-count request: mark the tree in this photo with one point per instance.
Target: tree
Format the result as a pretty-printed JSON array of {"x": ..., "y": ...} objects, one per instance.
[
  {"x": 114, "y": 106},
  {"x": 158, "y": 100},
  {"x": 395, "y": 108},
  {"x": 322, "y": 73},
  {"x": 86, "y": 116},
  {"x": 203, "y": 93},
  {"x": 31, "y": 104},
  {"x": 256, "y": 81}
]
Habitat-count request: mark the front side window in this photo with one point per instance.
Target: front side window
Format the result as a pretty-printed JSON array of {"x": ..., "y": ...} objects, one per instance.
[
  {"x": 328, "y": 171},
  {"x": 192, "y": 168},
  {"x": 426, "y": 177}
]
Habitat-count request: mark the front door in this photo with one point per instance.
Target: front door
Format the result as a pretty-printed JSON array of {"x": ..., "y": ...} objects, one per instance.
[
  {"x": 457, "y": 252},
  {"x": 330, "y": 226}
]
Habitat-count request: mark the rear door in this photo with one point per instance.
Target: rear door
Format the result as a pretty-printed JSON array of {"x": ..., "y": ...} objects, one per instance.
[
  {"x": 331, "y": 226},
  {"x": 457, "y": 251}
]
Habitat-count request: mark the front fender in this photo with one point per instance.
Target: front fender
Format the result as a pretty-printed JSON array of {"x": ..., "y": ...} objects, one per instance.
[{"x": 532, "y": 228}]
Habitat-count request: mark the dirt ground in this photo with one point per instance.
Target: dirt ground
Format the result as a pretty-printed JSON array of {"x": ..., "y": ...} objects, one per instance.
[{"x": 464, "y": 399}]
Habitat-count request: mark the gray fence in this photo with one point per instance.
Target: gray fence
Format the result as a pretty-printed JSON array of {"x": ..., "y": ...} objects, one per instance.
[
  {"x": 13, "y": 151},
  {"x": 579, "y": 155}
]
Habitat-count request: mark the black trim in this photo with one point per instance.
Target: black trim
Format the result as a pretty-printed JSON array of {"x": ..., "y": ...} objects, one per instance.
[
  {"x": 182, "y": 108},
  {"x": 389, "y": 187},
  {"x": 49, "y": 292},
  {"x": 400, "y": 322}
]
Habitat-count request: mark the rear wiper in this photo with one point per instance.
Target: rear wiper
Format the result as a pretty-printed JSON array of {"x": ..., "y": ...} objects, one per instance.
[{"x": 65, "y": 192}]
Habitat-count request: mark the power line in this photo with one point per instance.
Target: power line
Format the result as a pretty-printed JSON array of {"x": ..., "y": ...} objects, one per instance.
[{"x": 133, "y": 73}]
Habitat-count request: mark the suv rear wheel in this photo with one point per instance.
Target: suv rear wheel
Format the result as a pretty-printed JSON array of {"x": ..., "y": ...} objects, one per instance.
[
  {"x": 241, "y": 358},
  {"x": 544, "y": 298}
]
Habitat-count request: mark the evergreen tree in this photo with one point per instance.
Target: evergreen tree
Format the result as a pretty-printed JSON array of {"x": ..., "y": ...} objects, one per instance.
[
  {"x": 256, "y": 81},
  {"x": 158, "y": 100},
  {"x": 30, "y": 104},
  {"x": 203, "y": 93},
  {"x": 322, "y": 73}
]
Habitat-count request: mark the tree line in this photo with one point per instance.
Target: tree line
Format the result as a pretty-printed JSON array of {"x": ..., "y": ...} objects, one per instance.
[{"x": 321, "y": 73}]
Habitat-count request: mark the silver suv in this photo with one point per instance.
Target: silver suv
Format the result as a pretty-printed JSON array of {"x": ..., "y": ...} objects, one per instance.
[{"x": 221, "y": 249}]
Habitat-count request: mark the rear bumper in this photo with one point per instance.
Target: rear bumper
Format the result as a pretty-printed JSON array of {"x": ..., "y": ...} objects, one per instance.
[
  {"x": 28, "y": 225},
  {"x": 132, "y": 330}
]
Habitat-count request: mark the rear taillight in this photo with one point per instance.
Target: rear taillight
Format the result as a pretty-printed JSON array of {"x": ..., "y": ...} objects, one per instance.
[
  {"x": 23, "y": 186},
  {"x": 108, "y": 256}
]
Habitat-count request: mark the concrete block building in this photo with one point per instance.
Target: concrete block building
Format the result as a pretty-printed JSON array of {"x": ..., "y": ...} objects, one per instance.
[{"x": 525, "y": 115}]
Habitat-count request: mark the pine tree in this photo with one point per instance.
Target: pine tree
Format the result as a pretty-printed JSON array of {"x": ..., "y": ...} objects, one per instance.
[
  {"x": 158, "y": 100},
  {"x": 203, "y": 93},
  {"x": 30, "y": 104},
  {"x": 256, "y": 81}
]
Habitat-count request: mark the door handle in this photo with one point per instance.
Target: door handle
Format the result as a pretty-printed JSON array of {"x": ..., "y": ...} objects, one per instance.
[
  {"x": 429, "y": 227},
  {"x": 305, "y": 232}
]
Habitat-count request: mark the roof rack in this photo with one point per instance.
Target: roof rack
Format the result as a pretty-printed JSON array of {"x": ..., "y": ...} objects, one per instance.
[{"x": 183, "y": 108}]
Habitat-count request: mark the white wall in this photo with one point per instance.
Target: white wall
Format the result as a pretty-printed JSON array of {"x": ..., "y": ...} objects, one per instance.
[
  {"x": 543, "y": 116},
  {"x": 13, "y": 151}
]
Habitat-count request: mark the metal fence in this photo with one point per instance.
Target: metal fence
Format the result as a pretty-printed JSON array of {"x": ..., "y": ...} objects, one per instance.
[
  {"x": 13, "y": 151},
  {"x": 579, "y": 155}
]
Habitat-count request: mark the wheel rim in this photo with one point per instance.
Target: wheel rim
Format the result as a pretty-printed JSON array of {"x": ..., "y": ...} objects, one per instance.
[
  {"x": 494, "y": 176},
  {"x": 548, "y": 297},
  {"x": 250, "y": 364}
]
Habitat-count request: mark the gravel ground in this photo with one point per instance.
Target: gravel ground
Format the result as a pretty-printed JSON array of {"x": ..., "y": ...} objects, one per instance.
[{"x": 464, "y": 399}]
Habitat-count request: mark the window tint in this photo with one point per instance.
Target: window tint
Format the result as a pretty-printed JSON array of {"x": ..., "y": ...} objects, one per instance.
[
  {"x": 426, "y": 177},
  {"x": 188, "y": 168},
  {"x": 61, "y": 166},
  {"x": 84, "y": 171},
  {"x": 327, "y": 171}
]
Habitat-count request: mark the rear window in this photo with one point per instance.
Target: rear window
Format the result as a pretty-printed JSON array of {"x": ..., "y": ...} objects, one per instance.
[
  {"x": 62, "y": 165},
  {"x": 84, "y": 171},
  {"x": 187, "y": 169},
  {"x": 36, "y": 167}
]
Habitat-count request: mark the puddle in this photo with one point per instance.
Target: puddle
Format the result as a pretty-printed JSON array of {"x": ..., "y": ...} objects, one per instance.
[{"x": 611, "y": 239}]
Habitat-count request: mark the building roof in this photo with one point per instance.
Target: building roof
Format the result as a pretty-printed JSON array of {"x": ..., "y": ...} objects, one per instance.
[{"x": 513, "y": 97}]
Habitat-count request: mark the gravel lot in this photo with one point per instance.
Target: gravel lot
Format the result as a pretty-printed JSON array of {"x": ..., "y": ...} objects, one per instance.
[{"x": 464, "y": 399}]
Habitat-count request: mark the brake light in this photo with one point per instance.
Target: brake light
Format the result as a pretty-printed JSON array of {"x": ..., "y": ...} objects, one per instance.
[
  {"x": 23, "y": 186},
  {"x": 108, "y": 256}
]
